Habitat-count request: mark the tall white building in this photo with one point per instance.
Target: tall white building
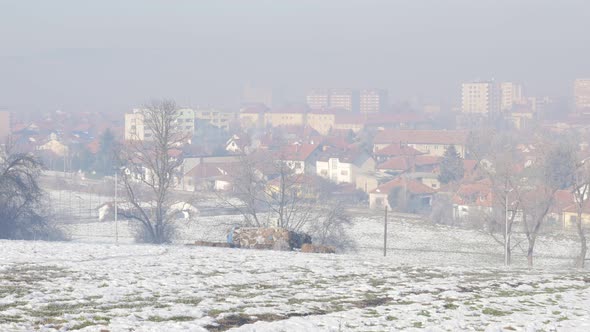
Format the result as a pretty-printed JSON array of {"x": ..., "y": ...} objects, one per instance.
[
  {"x": 137, "y": 130},
  {"x": 480, "y": 97},
  {"x": 346, "y": 99},
  {"x": 582, "y": 95},
  {"x": 510, "y": 94},
  {"x": 372, "y": 100},
  {"x": 318, "y": 99}
]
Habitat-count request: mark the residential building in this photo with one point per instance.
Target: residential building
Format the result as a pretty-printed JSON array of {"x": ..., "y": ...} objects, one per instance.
[
  {"x": 288, "y": 116},
  {"x": 419, "y": 195},
  {"x": 318, "y": 99},
  {"x": 346, "y": 167},
  {"x": 4, "y": 125},
  {"x": 345, "y": 99},
  {"x": 510, "y": 94},
  {"x": 582, "y": 95},
  {"x": 431, "y": 142},
  {"x": 301, "y": 158},
  {"x": 218, "y": 118},
  {"x": 252, "y": 116},
  {"x": 372, "y": 100},
  {"x": 480, "y": 98},
  {"x": 136, "y": 128},
  {"x": 323, "y": 122}
]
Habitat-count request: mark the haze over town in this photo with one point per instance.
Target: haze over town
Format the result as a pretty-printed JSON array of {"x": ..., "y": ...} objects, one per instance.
[{"x": 294, "y": 166}]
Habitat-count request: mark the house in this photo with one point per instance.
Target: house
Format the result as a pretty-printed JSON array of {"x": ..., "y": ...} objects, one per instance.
[
  {"x": 237, "y": 144},
  {"x": 403, "y": 164},
  {"x": 395, "y": 150},
  {"x": 346, "y": 167},
  {"x": 208, "y": 176},
  {"x": 431, "y": 142},
  {"x": 301, "y": 158},
  {"x": 55, "y": 146},
  {"x": 420, "y": 194},
  {"x": 470, "y": 198}
]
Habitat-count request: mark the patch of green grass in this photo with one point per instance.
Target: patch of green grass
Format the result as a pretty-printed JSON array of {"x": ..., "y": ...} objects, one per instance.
[
  {"x": 82, "y": 325},
  {"x": 450, "y": 306},
  {"x": 11, "y": 305},
  {"x": 425, "y": 313},
  {"x": 417, "y": 324},
  {"x": 295, "y": 301},
  {"x": 188, "y": 300},
  {"x": 494, "y": 312},
  {"x": 562, "y": 318},
  {"x": 556, "y": 312},
  {"x": 58, "y": 309},
  {"x": 102, "y": 318},
  {"x": 172, "y": 318},
  {"x": 390, "y": 318},
  {"x": 11, "y": 319},
  {"x": 214, "y": 312}
]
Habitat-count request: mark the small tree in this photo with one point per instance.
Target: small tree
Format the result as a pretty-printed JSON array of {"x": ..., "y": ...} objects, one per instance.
[
  {"x": 151, "y": 169},
  {"x": 581, "y": 191},
  {"x": 22, "y": 202},
  {"x": 106, "y": 153},
  {"x": 451, "y": 166}
]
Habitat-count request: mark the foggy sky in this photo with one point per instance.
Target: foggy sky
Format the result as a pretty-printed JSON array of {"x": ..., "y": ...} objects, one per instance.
[{"x": 111, "y": 55}]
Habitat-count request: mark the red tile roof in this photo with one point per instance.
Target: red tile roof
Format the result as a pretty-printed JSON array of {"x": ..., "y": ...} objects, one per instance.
[
  {"x": 398, "y": 150},
  {"x": 296, "y": 151},
  {"x": 413, "y": 186},
  {"x": 422, "y": 136}
]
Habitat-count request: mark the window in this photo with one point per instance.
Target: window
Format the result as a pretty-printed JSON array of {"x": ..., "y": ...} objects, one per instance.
[
  {"x": 344, "y": 172},
  {"x": 324, "y": 172},
  {"x": 297, "y": 165}
]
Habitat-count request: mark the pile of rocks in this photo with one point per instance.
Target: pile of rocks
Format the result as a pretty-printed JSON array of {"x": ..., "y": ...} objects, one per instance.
[{"x": 268, "y": 238}]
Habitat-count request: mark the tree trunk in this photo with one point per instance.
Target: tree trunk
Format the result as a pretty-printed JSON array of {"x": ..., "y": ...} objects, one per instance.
[
  {"x": 583, "y": 245},
  {"x": 529, "y": 254}
]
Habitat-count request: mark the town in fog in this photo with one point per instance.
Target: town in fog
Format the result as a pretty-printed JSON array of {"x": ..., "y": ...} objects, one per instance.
[{"x": 294, "y": 166}]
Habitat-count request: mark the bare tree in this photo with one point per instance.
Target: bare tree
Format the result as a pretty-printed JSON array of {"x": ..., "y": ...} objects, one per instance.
[
  {"x": 554, "y": 169},
  {"x": 151, "y": 169},
  {"x": 498, "y": 161},
  {"x": 22, "y": 203},
  {"x": 249, "y": 187},
  {"x": 581, "y": 191}
]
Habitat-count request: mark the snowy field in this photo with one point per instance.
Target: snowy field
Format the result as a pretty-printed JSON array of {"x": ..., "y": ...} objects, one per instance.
[
  {"x": 434, "y": 278},
  {"x": 103, "y": 287}
]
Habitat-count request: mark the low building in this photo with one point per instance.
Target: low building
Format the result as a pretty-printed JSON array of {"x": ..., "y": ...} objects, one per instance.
[
  {"x": 419, "y": 193},
  {"x": 431, "y": 142},
  {"x": 347, "y": 167}
]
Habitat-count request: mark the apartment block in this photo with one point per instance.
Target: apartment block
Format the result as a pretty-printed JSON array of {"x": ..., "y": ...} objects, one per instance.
[
  {"x": 510, "y": 94},
  {"x": 318, "y": 99},
  {"x": 372, "y": 100},
  {"x": 582, "y": 95},
  {"x": 480, "y": 97}
]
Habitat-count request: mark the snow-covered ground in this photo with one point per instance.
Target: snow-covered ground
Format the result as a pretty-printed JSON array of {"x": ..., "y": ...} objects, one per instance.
[
  {"x": 435, "y": 278},
  {"x": 94, "y": 287}
]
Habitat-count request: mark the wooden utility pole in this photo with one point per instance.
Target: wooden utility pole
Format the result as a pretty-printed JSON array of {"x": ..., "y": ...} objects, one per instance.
[{"x": 385, "y": 233}]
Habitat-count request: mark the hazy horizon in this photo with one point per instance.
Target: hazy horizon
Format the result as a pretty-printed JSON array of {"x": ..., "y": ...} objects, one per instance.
[{"x": 112, "y": 55}]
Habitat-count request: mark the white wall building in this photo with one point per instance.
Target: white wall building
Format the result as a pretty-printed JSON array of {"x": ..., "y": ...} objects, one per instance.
[
  {"x": 510, "y": 94},
  {"x": 372, "y": 100},
  {"x": 480, "y": 97},
  {"x": 582, "y": 94}
]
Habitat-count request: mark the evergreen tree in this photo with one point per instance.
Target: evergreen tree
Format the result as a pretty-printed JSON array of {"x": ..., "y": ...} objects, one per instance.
[
  {"x": 451, "y": 167},
  {"x": 106, "y": 153}
]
